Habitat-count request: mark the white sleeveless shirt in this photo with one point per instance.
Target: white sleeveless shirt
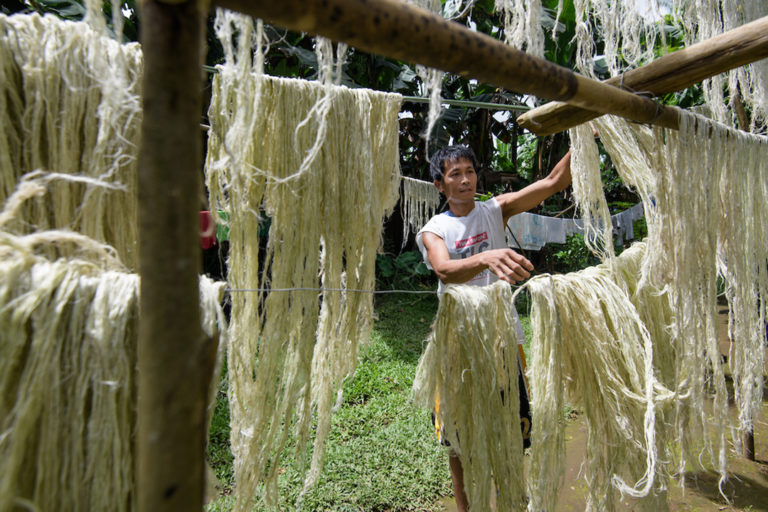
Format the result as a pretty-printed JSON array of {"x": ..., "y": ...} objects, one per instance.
[{"x": 481, "y": 230}]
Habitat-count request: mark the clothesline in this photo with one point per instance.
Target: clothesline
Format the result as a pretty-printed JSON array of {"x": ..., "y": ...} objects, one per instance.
[
  {"x": 375, "y": 292},
  {"x": 469, "y": 104},
  {"x": 533, "y": 231}
]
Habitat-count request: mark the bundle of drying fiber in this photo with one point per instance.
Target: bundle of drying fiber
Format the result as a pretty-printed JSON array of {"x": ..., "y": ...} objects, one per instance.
[
  {"x": 682, "y": 257},
  {"x": 354, "y": 202},
  {"x": 623, "y": 142},
  {"x": 633, "y": 151},
  {"x": 632, "y": 30},
  {"x": 629, "y": 31},
  {"x": 704, "y": 19},
  {"x": 418, "y": 204},
  {"x": 522, "y": 25},
  {"x": 470, "y": 366},
  {"x": 588, "y": 333},
  {"x": 678, "y": 175},
  {"x": 743, "y": 262},
  {"x": 321, "y": 163},
  {"x": 67, "y": 394},
  {"x": 588, "y": 192},
  {"x": 68, "y": 338},
  {"x": 70, "y": 99},
  {"x": 432, "y": 79},
  {"x": 654, "y": 309},
  {"x": 701, "y": 184}
]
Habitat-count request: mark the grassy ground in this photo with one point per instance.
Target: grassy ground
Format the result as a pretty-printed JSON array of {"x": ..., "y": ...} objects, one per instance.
[{"x": 382, "y": 454}]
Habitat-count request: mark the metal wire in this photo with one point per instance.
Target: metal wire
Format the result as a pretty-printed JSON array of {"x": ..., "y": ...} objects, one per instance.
[
  {"x": 456, "y": 103},
  {"x": 376, "y": 292}
]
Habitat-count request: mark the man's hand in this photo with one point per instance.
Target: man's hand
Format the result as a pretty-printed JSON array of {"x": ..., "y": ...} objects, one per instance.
[{"x": 508, "y": 265}]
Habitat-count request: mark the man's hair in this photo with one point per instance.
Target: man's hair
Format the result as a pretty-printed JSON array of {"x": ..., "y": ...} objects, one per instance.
[{"x": 448, "y": 154}]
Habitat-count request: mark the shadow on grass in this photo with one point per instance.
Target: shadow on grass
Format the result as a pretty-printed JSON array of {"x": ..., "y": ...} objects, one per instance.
[{"x": 744, "y": 492}]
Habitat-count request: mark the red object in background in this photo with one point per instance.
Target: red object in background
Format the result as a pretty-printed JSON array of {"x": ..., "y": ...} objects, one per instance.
[{"x": 207, "y": 230}]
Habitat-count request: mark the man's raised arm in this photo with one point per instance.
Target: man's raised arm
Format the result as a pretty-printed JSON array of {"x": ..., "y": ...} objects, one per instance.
[{"x": 529, "y": 197}]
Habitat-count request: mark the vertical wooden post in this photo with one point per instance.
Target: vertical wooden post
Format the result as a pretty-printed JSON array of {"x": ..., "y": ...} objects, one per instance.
[
  {"x": 174, "y": 358},
  {"x": 749, "y": 445}
]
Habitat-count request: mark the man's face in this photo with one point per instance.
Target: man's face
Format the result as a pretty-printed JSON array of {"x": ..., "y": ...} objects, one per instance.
[{"x": 459, "y": 180}]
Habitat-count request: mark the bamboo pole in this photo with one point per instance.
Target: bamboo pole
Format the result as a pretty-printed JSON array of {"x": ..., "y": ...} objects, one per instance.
[
  {"x": 405, "y": 32},
  {"x": 670, "y": 73},
  {"x": 174, "y": 359}
]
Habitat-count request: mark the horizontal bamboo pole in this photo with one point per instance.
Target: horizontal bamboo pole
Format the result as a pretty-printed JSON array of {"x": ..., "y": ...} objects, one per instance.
[
  {"x": 401, "y": 31},
  {"x": 670, "y": 73}
]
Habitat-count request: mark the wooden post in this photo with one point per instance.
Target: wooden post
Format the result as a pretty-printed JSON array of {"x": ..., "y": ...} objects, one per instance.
[
  {"x": 749, "y": 445},
  {"x": 174, "y": 362},
  {"x": 402, "y": 31},
  {"x": 741, "y": 113},
  {"x": 670, "y": 73}
]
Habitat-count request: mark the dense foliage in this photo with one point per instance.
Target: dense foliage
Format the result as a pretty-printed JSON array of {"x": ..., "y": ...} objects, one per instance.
[{"x": 509, "y": 158}]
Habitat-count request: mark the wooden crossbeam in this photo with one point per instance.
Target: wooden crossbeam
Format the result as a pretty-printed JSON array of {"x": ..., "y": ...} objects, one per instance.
[
  {"x": 670, "y": 73},
  {"x": 405, "y": 32}
]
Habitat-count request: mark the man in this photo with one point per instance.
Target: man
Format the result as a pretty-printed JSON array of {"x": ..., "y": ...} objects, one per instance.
[{"x": 467, "y": 243}]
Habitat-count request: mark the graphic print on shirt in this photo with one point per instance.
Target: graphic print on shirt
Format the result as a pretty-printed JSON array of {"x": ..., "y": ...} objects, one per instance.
[{"x": 469, "y": 247}]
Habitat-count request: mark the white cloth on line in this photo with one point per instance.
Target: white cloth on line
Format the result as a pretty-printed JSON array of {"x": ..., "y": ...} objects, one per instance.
[{"x": 532, "y": 232}]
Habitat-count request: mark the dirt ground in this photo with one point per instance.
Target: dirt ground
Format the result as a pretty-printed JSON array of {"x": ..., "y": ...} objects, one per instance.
[{"x": 746, "y": 488}]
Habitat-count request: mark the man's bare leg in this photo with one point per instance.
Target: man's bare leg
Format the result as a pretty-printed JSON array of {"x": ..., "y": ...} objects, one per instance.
[{"x": 457, "y": 475}]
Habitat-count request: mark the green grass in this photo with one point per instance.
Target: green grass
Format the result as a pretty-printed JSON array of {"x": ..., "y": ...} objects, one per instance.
[{"x": 382, "y": 454}]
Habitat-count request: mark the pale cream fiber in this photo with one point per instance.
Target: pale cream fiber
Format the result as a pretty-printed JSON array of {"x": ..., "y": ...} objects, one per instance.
[
  {"x": 588, "y": 191},
  {"x": 68, "y": 338},
  {"x": 635, "y": 152},
  {"x": 470, "y": 360},
  {"x": 701, "y": 186},
  {"x": 628, "y": 29},
  {"x": 522, "y": 25},
  {"x": 585, "y": 42},
  {"x": 418, "y": 203},
  {"x": 742, "y": 260},
  {"x": 704, "y": 19},
  {"x": 624, "y": 142},
  {"x": 589, "y": 334},
  {"x": 682, "y": 257},
  {"x": 325, "y": 196},
  {"x": 70, "y": 103},
  {"x": 432, "y": 79},
  {"x": 632, "y": 30}
]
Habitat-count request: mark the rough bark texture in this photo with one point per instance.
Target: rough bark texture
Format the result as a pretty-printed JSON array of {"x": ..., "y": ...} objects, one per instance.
[
  {"x": 402, "y": 31},
  {"x": 670, "y": 73},
  {"x": 175, "y": 361}
]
